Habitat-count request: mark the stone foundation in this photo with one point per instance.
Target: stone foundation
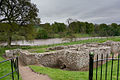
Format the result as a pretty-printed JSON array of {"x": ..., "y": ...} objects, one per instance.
[{"x": 72, "y": 57}]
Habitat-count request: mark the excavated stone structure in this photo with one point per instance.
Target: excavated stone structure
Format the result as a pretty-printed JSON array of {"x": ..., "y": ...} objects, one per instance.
[{"x": 72, "y": 57}]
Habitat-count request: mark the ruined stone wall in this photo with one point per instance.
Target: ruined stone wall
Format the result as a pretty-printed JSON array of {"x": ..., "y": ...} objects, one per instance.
[
  {"x": 73, "y": 57},
  {"x": 27, "y": 58}
]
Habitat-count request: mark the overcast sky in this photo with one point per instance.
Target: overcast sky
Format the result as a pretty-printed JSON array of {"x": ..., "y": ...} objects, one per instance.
[{"x": 96, "y": 11}]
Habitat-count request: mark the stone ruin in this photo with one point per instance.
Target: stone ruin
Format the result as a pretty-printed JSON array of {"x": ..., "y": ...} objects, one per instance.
[{"x": 72, "y": 57}]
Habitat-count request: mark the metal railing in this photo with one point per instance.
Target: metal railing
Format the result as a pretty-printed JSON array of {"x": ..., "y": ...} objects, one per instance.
[
  {"x": 14, "y": 68},
  {"x": 99, "y": 63}
]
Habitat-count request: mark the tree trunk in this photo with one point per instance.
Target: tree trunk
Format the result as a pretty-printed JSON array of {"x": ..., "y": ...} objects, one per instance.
[{"x": 9, "y": 41}]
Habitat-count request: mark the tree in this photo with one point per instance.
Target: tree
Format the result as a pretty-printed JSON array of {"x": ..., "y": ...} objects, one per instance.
[
  {"x": 42, "y": 34},
  {"x": 18, "y": 16},
  {"x": 96, "y": 29},
  {"x": 69, "y": 36},
  {"x": 48, "y": 28},
  {"x": 82, "y": 27},
  {"x": 69, "y": 20},
  {"x": 58, "y": 27},
  {"x": 104, "y": 30},
  {"x": 114, "y": 29},
  {"x": 89, "y": 28}
]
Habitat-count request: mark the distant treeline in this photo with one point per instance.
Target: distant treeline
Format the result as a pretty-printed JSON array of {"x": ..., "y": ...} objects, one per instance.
[{"x": 56, "y": 29}]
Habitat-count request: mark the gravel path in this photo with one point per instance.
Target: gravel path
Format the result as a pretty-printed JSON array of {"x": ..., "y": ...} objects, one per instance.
[{"x": 27, "y": 74}]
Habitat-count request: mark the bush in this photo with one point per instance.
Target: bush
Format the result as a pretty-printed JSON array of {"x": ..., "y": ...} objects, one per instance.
[{"x": 42, "y": 34}]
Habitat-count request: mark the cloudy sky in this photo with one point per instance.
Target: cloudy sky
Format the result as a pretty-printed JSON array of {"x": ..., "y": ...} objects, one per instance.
[{"x": 96, "y": 11}]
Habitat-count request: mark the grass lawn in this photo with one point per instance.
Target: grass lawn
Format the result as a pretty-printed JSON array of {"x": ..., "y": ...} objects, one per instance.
[
  {"x": 82, "y": 35},
  {"x": 57, "y": 74}
]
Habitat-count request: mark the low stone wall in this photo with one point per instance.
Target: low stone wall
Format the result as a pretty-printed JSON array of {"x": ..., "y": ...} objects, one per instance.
[
  {"x": 12, "y": 53},
  {"x": 25, "y": 56},
  {"x": 115, "y": 46},
  {"x": 28, "y": 58},
  {"x": 73, "y": 57},
  {"x": 70, "y": 58}
]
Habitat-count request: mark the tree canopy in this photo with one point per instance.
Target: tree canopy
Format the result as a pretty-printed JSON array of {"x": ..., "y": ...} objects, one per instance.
[
  {"x": 76, "y": 27},
  {"x": 17, "y": 18}
]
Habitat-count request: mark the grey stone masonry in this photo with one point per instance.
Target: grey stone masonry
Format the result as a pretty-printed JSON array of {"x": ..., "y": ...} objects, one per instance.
[{"x": 72, "y": 57}]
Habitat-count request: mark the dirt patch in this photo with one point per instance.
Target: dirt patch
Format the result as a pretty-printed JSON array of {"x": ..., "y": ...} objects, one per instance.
[{"x": 27, "y": 74}]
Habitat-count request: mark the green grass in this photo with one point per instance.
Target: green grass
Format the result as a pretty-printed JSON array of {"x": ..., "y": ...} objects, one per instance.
[
  {"x": 56, "y": 36},
  {"x": 5, "y": 67},
  {"x": 37, "y": 50},
  {"x": 57, "y": 74},
  {"x": 114, "y": 76},
  {"x": 82, "y": 35}
]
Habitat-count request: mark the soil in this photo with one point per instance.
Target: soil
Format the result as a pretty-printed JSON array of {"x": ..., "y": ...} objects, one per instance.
[{"x": 27, "y": 74}]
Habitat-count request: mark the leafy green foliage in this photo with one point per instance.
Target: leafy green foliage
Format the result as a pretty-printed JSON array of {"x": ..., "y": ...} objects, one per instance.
[
  {"x": 58, "y": 27},
  {"x": 104, "y": 29},
  {"x": 42, "y": 34},
  {"x": 16, "y": 19},
  {"x": 89, "y": 28},
  {"x": 114, "y": 29},
  {"x": 77, "y": 27}
]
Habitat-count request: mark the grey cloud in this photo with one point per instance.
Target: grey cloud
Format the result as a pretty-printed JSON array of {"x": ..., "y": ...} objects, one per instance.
[{"x": 97, "y": 11}]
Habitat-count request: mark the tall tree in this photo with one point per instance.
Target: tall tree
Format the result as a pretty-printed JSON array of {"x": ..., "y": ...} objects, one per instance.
[
  {"x": 18, "y": 16},
  {"x": 58, "y": 27},
  {"x": 104, "y": 30},
  {"x": 89, "y": 28},
  {"x": 69, "y": 20},
  {"x": 114, "y": 29}
]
